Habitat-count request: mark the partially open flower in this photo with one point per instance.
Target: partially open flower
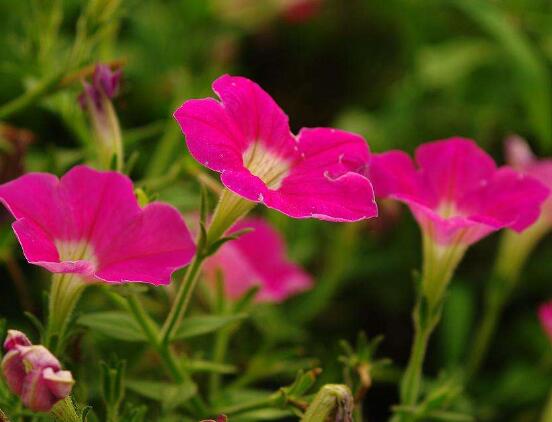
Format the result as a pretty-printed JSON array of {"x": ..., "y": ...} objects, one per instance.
[
  {"x": 96, "y": 99},
  {"x": 458, "y": 196},
  {"x": 257, "y": 258},
  {"x": 34, "y": 374},
  {"x": 319, "y": 173},
  {"x": 89, "y": 223},
  {"x": 545, "y": 316}
]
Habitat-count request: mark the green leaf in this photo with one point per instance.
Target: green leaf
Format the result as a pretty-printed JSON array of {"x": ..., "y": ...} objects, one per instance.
[
  {"x": 168, "y": 394},
  {"x": 197, "y": 326},
  {"x": 527, "y": 62},
  {"x": 117, "y": 325},
  {"x": 209, "y": 366}
]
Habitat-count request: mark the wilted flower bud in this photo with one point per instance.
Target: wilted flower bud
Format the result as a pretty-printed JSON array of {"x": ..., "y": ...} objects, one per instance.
[
  {"x": 34, "y": 374},
  {"x": 96, "y": 99}
]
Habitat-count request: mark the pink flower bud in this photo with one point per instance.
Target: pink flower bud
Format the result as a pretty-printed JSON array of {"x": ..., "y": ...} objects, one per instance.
[{"x": 34, "y": 373}]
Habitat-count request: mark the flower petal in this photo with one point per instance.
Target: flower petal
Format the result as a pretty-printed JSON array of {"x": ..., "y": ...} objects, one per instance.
[
  {"x": 256, "y": 114},
  {"x": 329, "y": 182},
  {"x": 16, "y": 338},
  {"x": 393, "y": 173},
  {"x": 452, "y": 167},
  {"x": 35, "y": 394},
  {"x": 59, "y": 383},
  {"x": 257, "y": 258},
  {"x": 510, "y": 199},
  {"x": 14, "y": 371},
  {"x": 211, "y": 136},
  {"x": 146, "y": 248}
]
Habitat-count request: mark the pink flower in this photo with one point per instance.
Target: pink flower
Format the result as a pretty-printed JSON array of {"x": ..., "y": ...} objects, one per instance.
[
  {"x": 520, "y": 157},
  {"x": 246, "y": 137},
  {"x": 545, "y": 316},
  {"x": 34, "y": 374},
  {"x": 257, "y": 258},
  {"x": 456, "y": 192},
  {"x": 89, "y": 223}
]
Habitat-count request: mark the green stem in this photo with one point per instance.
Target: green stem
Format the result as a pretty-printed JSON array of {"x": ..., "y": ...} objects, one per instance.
[
  {"x": 412, "y": 378},
  {"x": 165, "y": 352},
  {"x": 547, "y": 412},
  {"x": 151, "y": 331},
  {"x": 65, "y": 292},
  {"x": 230, "y": 208},
  {"x": 248, "y": 406},
  {"x": 513, "y": 252},
  {"x": 41, "y": 89},
  {"x": 219, "y": 351},
  {"x": 182, "y": 299}
]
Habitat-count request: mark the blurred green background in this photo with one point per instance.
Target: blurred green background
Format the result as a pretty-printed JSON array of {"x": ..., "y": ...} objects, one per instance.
[{"x": 399, "y": 72}]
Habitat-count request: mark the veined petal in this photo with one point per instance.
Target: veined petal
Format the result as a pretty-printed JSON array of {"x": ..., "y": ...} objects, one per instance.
[
  {"x": 328, "y": 182},
  {"x": 256, "y": 114},
  {"x": 89, "y": 223},
  {"x": 148, "y": 247}
]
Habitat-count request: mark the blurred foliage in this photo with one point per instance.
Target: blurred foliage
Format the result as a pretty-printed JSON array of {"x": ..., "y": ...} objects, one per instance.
[{"x": 400, "y": 72}]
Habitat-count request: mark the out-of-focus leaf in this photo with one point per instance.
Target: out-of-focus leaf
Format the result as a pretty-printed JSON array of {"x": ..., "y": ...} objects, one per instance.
[
  {"x": 447, "y": 63},
  {"x": 117, "y": 325},
  {"x": 208, "y": 366},
  {"x": 530, "y": 67},
  {"x": 168, "y": 394},
  {"x": 205, "y": 324}
]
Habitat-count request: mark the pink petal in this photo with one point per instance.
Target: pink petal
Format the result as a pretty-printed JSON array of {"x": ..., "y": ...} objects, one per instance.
[
  {"x": 393, "y": 173},
  {"x": 14, "y": 371},
  {"x": 518, "y": 153},
  {"x": 38, "y": 356},
  {"x": 94, "y": 218},
  {"x": 257, "y": 258},
  {"x": 452, "y": 167},
  {"x": 35, "y": 394},
  {"x": 148, "y": 247},
  {"x": 329, "y": 182},
  {"x": 256, "y": 114},
  {"x": 509, "y": 199},
  {"x": 59, "y": 383},
  {"x": 211, "y": 135},
  {"x": 16, "y": 338}
]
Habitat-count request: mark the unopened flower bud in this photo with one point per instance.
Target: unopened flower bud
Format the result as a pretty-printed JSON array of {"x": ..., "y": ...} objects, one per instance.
[{"x": 34, "y": 373}]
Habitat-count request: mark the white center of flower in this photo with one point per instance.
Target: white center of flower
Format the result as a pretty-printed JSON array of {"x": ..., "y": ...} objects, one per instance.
[
  {"x": 266, "y": 165},
  {"x": 448, "y": 210},
  {"x": 80, "y": 250}
]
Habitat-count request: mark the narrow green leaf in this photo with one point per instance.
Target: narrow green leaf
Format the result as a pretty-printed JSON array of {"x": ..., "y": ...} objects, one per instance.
[
  {"x": 205, "y": 324},
  {"x": 117, "y": 325},
  {"x": 168, "y": 394}
]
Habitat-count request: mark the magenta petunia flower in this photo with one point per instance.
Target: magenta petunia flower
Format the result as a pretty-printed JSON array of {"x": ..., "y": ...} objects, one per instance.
[
  {"x": 257, "y": 258},
  {"x": 319, "y": 173},
  {"x": 520, "y": 157},
  {"x": 456, "y": 192},
  {"x": 545, "y": 316},
  {"x": 34, "y": 374},
  {"x": 89, "y": 223}
]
